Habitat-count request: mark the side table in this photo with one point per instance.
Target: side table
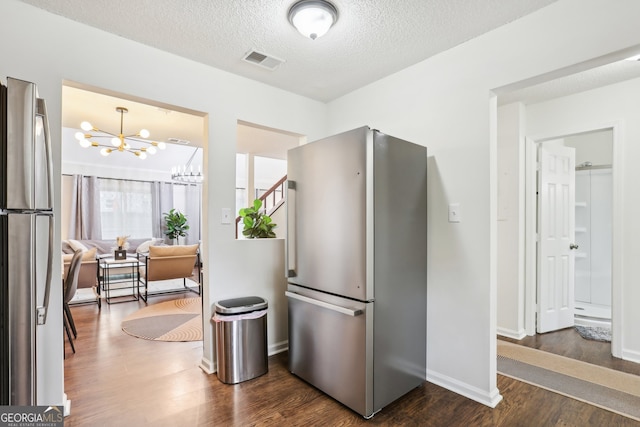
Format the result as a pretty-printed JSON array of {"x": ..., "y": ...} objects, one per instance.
[{"x": 117, "y": 275}]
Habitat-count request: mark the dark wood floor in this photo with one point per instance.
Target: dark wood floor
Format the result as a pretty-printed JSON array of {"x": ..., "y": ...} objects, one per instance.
[{"x": 117, "y": 380}]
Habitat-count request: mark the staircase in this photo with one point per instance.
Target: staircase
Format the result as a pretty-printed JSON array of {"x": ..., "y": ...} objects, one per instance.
[{"x": 272, "y": 199}]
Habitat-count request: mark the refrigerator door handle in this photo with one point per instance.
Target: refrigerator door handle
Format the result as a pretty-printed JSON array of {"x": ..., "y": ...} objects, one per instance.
[
  {"x": 41, "y": 311},
  {"x": 291, "y": 232},
  {"x": 339, "y": 309},
  {"x": 41, "y": 110}
]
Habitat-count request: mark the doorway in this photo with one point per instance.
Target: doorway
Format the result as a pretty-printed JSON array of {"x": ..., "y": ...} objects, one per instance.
[
  {"x": 261, "y": 169},
  {"x": 593, "y": 214},
  {"x": 185, "y": 135},
  {"x": 532, "y": 224}
]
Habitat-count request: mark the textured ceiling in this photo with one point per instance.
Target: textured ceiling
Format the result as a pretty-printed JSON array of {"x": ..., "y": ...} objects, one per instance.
[{"x": 371, "y": 39}]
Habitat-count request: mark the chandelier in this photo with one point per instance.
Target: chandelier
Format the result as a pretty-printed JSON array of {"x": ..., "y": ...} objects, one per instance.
[
  {"x": 186, "y": 173},
  {"x": 119, "y": 142}
]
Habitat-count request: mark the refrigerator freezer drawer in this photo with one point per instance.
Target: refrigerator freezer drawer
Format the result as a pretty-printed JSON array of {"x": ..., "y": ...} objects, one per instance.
[
  {"x": 329, "y": 347},
  {"x": 26, "y": 262}
]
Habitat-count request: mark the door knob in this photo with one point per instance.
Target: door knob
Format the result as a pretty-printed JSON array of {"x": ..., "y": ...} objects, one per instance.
[{"x": 573, "y": 246}]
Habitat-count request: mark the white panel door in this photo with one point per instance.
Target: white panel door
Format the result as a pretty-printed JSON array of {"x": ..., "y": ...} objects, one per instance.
[{"x": 556, "y": 229}]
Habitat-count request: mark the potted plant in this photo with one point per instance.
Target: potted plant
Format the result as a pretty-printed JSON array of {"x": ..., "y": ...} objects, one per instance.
[
  {"x": 176, "y": 223},
  {"x": 257, "y": 224}
]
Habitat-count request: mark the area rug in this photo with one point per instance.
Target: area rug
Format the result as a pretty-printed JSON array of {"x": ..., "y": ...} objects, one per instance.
[
  {"x": 175, "y": 320},
  {"x": 605, "y": 388},
  {"x": 595, "y": 333}
]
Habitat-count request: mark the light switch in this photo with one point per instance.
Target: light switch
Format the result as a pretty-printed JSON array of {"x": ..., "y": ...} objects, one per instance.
[
  {"x": 454, "y": 212},
  {"x": 226, "y": 216}
]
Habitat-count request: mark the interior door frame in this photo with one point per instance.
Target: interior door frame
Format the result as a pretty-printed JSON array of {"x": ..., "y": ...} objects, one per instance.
[{"x": 530, "y": 213}]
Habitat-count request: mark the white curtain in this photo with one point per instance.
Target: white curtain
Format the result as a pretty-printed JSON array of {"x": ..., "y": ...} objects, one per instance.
[
  {"x": 107, "y": 208},
  {"x": 192, "y": 210},
  {"x": 161, "y": 203},
  {"x": 84, "y": 222},
  {"x": 125, "y": 208}
]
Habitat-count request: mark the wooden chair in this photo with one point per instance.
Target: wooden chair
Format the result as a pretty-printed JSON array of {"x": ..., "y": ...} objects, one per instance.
[
  {"x": 69, "y": 290},
  {"x": 170, "y": 262}
]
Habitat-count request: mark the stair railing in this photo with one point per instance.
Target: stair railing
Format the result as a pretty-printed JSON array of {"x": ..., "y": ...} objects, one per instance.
[{"x": 271, "y": 200}]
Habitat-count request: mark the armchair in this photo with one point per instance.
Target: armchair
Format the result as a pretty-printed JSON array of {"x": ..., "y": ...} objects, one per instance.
[{"x": 170, "y": 262}]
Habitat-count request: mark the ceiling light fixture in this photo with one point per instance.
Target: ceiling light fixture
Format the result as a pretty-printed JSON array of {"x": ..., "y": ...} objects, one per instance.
[
  {"x": 313, "y": 18},
  {"x": 186, "y": 173},
  {"x": 119, "y": 142}
]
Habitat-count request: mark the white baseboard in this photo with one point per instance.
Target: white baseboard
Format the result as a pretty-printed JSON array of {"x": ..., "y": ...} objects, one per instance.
[
  {"x": 208, "y": 366},
  {"x": 590, "y": 321},
  {"x": 630, "y": 355},
  {"x": 278, "y": 347},
  {"x": 490, "y": 399},
  {"x": 66, "y": 403},
  {"x": 510, "y": 333}
]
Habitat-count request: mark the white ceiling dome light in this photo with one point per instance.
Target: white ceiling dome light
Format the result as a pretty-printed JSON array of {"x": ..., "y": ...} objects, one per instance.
[{"x": 313, "y": 18}]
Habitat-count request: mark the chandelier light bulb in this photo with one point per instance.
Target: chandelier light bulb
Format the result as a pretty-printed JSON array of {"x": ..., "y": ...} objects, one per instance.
[
  {"x": 105, "y": 151},
  {"x": 142, "y": 155},
  {"x": 84, "y": 143},
  {"x": 162, "y": 145},
  {"x": 144, "y": 133},
  {"x": 115, "y": 142},
  {"x": 79, "y": 136},
  {"x": 152, "y": 150},
  {"x": 86, "y": 126}
]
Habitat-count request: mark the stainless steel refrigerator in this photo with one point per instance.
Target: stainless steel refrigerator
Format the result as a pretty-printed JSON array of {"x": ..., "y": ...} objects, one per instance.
[
  {"x": 26, "y": 237},
  {"x": 356, "y": 261}
]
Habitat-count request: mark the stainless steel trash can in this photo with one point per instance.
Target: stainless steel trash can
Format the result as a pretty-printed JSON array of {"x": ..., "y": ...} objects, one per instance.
[{"x": 241, "y": 339}]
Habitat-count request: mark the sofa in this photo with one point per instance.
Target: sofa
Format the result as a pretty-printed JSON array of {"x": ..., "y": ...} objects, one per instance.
[{"x": 94, "y": 249}]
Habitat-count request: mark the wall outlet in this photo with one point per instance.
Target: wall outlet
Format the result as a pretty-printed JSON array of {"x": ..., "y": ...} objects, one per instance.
[
  {"x": 454, "y": 212},
  {"x": 226, "y": 216}
]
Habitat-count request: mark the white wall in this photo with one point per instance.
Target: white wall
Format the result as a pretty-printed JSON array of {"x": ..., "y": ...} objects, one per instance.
[
  {"x": 510, "y": 263},
  {"x": 443, "y": 103},
  {"x": 594, "y": 147},
  {"x": 66, "y": 191},
  {"x": 48, "y": 49},
  {"x": 611, "y": 105}
]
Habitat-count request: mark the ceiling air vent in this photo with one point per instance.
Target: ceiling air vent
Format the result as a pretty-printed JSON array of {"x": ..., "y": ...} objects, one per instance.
[
  {"x": 178, "y": 141},
  {"x": 263, "y": 60}
]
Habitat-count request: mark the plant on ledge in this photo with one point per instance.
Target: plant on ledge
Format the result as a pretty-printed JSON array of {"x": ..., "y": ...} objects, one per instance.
[
  {"x": 176, "y": 223},
  {"x": 257, "y": 224}
]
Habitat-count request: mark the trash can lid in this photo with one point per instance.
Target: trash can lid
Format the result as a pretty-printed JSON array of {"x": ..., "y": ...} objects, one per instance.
[{"x": 240, "y": 305}]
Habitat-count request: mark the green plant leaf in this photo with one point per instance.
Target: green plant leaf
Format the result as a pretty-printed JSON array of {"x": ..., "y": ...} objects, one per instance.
[
  {"x": 176, "y": 223},
  {"x": 257, "y": 224}
]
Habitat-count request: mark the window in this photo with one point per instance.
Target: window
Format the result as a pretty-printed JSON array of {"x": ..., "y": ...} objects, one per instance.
[
  {"x": 241, "y": 181},
  {"x": 125, "y": 208}
]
